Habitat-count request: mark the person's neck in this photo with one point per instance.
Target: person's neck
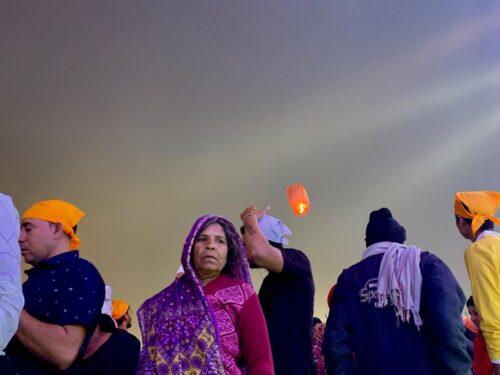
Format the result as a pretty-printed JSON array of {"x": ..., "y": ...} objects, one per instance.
[
  {"x": 61, "y": 248},
  {"x": 96, "y": 341},
  {"x": 474, "y": 237},
  {"x": 207, "y": 279},
  {"x": 59, "y": 252},
  {"x": 53, "y": 253}
]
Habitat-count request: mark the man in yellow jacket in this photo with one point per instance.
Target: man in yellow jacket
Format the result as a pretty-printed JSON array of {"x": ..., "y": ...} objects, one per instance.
[{"x": 475, "y": 221}]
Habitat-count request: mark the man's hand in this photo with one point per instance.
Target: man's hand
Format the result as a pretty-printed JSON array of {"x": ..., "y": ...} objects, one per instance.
[
  {"x": 319, "y": 330},
  {"x": 252, "y": 211}
]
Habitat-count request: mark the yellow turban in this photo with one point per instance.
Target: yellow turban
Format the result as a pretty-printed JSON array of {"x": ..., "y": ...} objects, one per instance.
[
  {"x": 57, "y": 211},
  {"x": 120, "y": 308},
  {"x": 481, "y": 205}
]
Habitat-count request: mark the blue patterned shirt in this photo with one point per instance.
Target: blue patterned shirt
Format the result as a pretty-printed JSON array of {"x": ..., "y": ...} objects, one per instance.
[{"x": 62, "y": 290}]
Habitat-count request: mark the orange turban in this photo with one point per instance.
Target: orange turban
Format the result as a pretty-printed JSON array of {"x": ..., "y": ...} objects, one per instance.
[
  {"x": 120, "y": 308},
  {"x": 57, "y": 211},
  {"x": 480, "y": 206}
]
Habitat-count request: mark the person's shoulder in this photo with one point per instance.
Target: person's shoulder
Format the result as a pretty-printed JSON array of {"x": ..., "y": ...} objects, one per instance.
[
  {"x": 363, "y": 263},
  {"x": 232, "y": 286},
  {"x": 126, "y": 336},
  {"x": 486, "y": 249},
  {"x": 297, "y": 252},
  {"x": 364, "y": 271},
  {"x": 79, "y": 268},
  {"x": 432, "y": 264},
  {"x": 84, "y": 264},
  {"x": 89, "y": 272},
  {"x": 248, "y": 290},
  {"x": 295, "y": 255},
  {"x": 228, "y": 282},
  {"x": 427, "y": 257},
  {"x": 490, "y": 241}
]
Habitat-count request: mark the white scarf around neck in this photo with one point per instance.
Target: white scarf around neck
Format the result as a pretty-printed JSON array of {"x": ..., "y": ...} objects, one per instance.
[{"x": 399, "y": 278}]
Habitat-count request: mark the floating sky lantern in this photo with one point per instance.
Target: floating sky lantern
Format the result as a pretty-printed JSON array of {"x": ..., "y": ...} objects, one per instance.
[{"x": 298, "y": 199}]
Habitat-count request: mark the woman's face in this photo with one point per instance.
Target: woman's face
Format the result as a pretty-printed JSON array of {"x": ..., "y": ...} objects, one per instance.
[{"x": 210, "y": 251}]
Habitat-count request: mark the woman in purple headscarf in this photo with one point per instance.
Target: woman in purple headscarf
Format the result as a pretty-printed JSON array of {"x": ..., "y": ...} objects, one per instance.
[{"x": 209, "y": 321}]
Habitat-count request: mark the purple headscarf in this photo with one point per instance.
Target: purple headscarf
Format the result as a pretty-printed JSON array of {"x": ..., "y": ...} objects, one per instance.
[{"x": 179, "y": 329}]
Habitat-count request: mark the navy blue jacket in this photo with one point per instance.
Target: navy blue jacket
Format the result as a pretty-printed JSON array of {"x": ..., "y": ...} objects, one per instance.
[{"x": 363, "y": 339}]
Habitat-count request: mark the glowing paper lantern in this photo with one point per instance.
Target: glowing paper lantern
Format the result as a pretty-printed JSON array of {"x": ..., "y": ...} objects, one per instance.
[{"x": 298, "y": 199}]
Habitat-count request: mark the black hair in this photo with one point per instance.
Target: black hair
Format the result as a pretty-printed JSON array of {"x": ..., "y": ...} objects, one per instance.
[
  {"x": 470, "y": 302},
  {"x": 316, "y": 320},
  {"x": 106, "y": 323},
  {"x": 120, "y": 320},
  {"x": 74, "y": 228},
  {"x": 487, "y": 225}
]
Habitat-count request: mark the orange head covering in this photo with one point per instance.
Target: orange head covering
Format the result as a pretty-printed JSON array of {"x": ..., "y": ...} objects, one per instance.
[
  {"x": 120, "y": 308},
  {"x": 480, "y": 206},
  {"x": 57, "y": 211}
]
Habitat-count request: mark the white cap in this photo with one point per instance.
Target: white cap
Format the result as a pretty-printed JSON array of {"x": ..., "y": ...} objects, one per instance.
[{"x": 274, "y": 229}]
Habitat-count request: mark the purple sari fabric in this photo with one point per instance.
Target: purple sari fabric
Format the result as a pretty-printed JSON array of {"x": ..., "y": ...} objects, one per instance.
[{"x": 179, "y": 330}]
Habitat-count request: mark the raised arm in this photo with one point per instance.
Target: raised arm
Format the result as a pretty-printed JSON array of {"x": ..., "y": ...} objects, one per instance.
[{"x": 260, "y": 252}]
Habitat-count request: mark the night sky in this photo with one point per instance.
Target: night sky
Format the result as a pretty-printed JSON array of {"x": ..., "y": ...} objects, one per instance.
[{"x": 148, "y": 114}]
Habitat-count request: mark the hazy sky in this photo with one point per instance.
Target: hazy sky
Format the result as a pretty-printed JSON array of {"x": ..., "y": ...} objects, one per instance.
[{"x": 148, "y": 114}]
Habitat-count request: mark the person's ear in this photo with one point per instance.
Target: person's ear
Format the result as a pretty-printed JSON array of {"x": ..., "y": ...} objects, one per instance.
[{"x": 57, "y": 230}]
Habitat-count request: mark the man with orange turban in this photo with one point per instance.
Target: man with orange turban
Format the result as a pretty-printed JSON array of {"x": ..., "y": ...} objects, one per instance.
[
  {"x": 123, "y": 318},
  {"x": 112, "y": 350},
  {"x": 474, "y": 217},
  {"x": 63, "y": 294},
  {"x": 121, "y": 314}
]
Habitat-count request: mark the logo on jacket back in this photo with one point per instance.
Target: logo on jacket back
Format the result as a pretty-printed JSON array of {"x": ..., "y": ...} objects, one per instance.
[{"x": 368, "y": 294}]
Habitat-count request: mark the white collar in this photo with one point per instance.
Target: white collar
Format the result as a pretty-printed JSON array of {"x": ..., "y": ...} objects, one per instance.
[{"x": 486, "y": 233}]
